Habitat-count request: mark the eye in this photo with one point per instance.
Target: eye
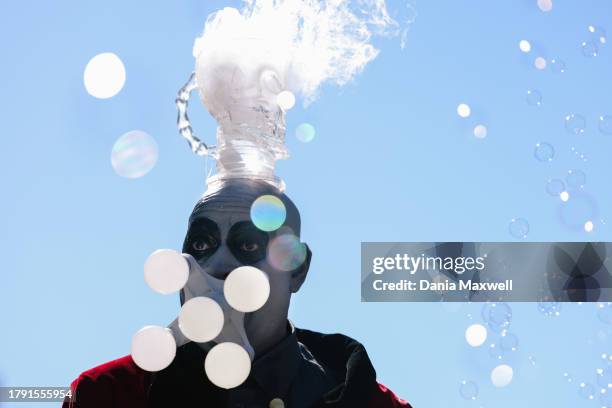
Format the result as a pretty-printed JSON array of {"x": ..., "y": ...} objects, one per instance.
[
  {"x": 249, "y": 246},
  {"x": 202, "y": 245}
]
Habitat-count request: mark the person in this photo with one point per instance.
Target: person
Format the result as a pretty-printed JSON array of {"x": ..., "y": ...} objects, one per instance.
[{"x": 292, "y": 367}]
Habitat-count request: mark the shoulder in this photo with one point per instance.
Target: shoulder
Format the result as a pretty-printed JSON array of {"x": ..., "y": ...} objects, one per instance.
[
  {"x": 114, "y": 383},
  {"x": 348, "y": 360}
]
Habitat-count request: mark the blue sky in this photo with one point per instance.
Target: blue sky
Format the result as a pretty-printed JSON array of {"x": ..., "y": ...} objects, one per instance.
[{"x": 391, "y": 161}]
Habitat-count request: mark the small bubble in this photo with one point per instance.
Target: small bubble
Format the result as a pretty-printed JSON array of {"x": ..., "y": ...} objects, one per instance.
[
  {"x": 502, "y": 375},
  {"x": 286, "y": 252},
  {"x": 500, "y": 315},
  {"x": 534, "y": 97},
  {"x": 544, "y": 152},
  {"x": 597, "y": 34},
  {"x": 575, "y": 179},
  {"x": 588, "y": 226},
  {"x": 557, "y": 66},
  {"x": 480, "y": 131},
  {"x": 305, "y": 132},
  {"x": 575, "y": 123},
  {"x": 268, "y": 213},
  {"x": 549, "y": 309},
  {"x": 495, "y": 351},
  {"x": 567, "y": 377},
  {"x": 605, "y": 124},
  {"x": 134, "y": 154},
  {"x": 604, "y": 377},
  {"x": 532, "y": 360},
  {"x": 539, "y": 63},
  {"x": 525, "y": 46},
  {"x": 463, "y": 110},
  {"x": 468, "y": 390},
  {"x": 545, "y": 5},
  {"x": 586, "y": 391},
  {"x": 589, "y": 49},
  {"x": 554, "y": 187},
  {"x": 519, "y": 228},
  {"x": 104, "y": 75},
  {"x": 564, "y": 196},
  {"x": 508, "y": 341},
  {"x": 605, "y": 398}
]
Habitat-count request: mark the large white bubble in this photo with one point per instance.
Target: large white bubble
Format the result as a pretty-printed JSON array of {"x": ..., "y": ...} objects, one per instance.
[
  {"x": 476, "y": 335},
  {"x": 201, "y": 319},
  {"x": 104, "y": 75},
  {"x": 153, "y": 348},
  {"x": 227, "y": 365},
  {"x": 166, "y": 271},
  {"x": 246, "y": 289},
  {"x": 501, "y": 375}
]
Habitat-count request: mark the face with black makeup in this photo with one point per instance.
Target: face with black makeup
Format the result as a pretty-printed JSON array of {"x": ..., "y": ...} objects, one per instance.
[{"x": 222, "y": 237}]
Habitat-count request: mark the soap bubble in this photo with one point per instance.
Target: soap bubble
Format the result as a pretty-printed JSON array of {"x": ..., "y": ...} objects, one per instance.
[
  {"x": 227, "y": 365},
  {"x": 589, "y": 48},
  {"x": 604, "y": 314},
  {"x": 564, "y": 196},
  {"x": 276, "y": 403},
  {"x": 539, "y": 63},
  {"x": 480, "y": 131},
  {"x": 605, "y": 398},
  {"x": 246, "y": 289},
  {"x": 201, "y": 319},
  {"x": 286, "y": 100},
  {"x": 134, "y": 154},
  {"x": 545, "y": 5},
  {"x": 286, "y": 252},
  {"x": 463, "y": 110},
  {"x": 554, "y": 187},
  {"x": 575, "y": 123},
  {"x": 544, "y": 152},
  {"x": 534, "y": 97},
  {"x": 104, "y": 75},
  {"x": 557, "y": 66},
  {"x": 598, "y": 34},
  {"x": 524, "y": 45},
  {"x": 549, "y": 308},
  {"x": 567, "y": 377},
  {"x": 586, "y": 391},
  {"x": 588, "y": 226},
  {"x": 495, "y": 351},
  {"x": 476, "y": 335},
  {"x": 508, "y": 341},
  {"x": 519, "y": 228},
  {"x": 468, "y": 390},
  {"x": 532, "y": 360},
  {"x": 604, "y": 377},
  {"x": 500, "y": 316},
  {"x": 153, "y": 348},
  {"x": 166, "y": 271},
  {"x": 605, "y": 124},
  {"x": 305, "y": 132},
  {"x": 268, "y": 213},
  {"x": 501, "y": 375},
  {"x": 575, "y": 179},
  {"x": 576, "y": 212}
]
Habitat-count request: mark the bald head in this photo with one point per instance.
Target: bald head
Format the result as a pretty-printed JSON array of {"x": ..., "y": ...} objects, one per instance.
[{"x": 237, "y": 195}]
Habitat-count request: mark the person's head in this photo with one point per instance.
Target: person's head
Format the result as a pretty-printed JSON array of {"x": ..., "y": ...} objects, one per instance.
[{"x": 222, "y": 237}]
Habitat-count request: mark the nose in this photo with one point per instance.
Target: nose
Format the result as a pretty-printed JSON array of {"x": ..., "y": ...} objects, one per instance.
[{"x": 221, "y": 263}]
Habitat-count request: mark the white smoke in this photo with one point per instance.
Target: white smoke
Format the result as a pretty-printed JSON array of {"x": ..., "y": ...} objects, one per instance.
[{"x": 304, "y": 43}]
